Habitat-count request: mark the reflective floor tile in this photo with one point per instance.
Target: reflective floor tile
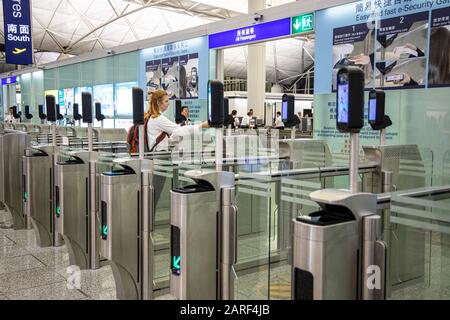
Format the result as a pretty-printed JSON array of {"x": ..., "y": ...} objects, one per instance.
[
  {"x": 53, "y": 257},
  {"x": 5, "y": 241},
  {"x": 27, "y": 262},
  {"x": 55, "y": 291},
  {"x": 23, "y": 238},
  {"x": 12, "y": 251},
  {"x": 20, "y": 280}
]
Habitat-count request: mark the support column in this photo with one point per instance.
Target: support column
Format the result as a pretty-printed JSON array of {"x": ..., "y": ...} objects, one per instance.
[
  {"x": 220, "y": 68},
  {"x": 256, "y": 68}
]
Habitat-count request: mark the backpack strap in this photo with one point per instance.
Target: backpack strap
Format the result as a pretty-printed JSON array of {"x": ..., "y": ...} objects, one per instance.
[{"x": 159, "y": 139}]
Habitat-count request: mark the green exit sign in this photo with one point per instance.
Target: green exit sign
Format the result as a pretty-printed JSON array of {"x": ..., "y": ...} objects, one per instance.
[{"x": 303, "y": 23}]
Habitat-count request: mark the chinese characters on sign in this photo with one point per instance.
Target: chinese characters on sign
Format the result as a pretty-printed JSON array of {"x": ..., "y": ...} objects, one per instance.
[{"x": 17, "y": 28}]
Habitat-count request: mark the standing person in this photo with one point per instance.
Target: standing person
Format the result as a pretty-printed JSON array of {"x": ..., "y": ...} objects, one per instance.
[
  {"x": 278, "y": 122},
  {"x": 10, "y": 116},
  {"x": 232, "y": 120},
  {"x": 246, "y": 120},
  {"x": 184, "y": 117},
  {"x": 159, "y": 128}
]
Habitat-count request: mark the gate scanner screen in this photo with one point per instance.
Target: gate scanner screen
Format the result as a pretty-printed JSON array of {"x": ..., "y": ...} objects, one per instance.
[
  {"x": 372, "y": 110},
  {"x": 343, "y": 103}
]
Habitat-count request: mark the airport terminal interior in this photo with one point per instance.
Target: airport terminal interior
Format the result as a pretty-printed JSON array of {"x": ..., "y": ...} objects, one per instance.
[{"x": 225, "y": 150}]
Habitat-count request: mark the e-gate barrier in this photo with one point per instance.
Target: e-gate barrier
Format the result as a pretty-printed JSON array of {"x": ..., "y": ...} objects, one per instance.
[
  {"x": 76, "y": 187},
  {"x": 39, "y": 170},
  {"x": 204, "y": 224},
  {"x": 127, "y": 218},
  {"x": 338, "y": 249}
]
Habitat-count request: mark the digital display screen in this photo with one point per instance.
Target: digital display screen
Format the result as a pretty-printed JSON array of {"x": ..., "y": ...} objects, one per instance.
[
  {"x": 175, "y": 250},
  {"x": 284, "y": 110},
  {"x": 343, "y": 103},
  {"x": 209, "y": 102},
  {"x": 372, "y": 110},
  {"x": 124, "y": 98},
  {"x": 104, "y": 95}
]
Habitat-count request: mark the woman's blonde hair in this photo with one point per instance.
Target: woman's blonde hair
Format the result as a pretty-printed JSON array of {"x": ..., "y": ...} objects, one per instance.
[{"x": 153, "y": 98}]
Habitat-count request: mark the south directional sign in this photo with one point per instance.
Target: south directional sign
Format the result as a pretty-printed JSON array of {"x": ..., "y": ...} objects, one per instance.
[{"x": 302, "y": 24}]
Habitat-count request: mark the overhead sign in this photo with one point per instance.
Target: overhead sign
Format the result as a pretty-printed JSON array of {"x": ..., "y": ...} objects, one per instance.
[
  {"x": 17, "y": 29},
  {"x": 250, "y": 34},
  {"x": 9, "y": 80},
  {"x": 302, "y": 24}
]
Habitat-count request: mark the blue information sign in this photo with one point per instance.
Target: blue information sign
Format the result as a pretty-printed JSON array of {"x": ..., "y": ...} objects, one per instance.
[
  {"x": 17, "y": 27},
  {"x": 254, "y": 33},
  {"x": 9, "y": 80}
]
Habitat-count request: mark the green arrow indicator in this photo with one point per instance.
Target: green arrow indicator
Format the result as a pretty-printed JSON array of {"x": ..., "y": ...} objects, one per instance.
[
  {"x": 25, "y": 196},
  {"x": 176, "y": 262},
  {"x": 297, "y": 24},
  {"x": 58, "y": 211},
  {"x": 105, "y": 230}
]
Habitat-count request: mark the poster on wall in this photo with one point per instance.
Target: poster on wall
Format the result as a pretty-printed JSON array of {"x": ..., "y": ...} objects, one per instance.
[
  {"x": 353, "y": 45},
  {"x": 62, "y": 106},
  {"x": 169, "y": 77},
  {"x": 68, "y": 100},
  {"x": 124, "y": 98},
  {"x": 439, "y": 57},
  {"x": 78, "y": 92},
  {"x": 401, "y": 47},
  {"x": 153, "y": 75},
  {"x": 394, "y": 39},
  {"x": 104, "y": 94},
  {"x": 188, "y": 80}
]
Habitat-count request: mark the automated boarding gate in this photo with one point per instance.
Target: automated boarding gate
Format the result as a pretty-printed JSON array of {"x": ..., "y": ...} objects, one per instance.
[
  {"x": 12, "y": 146},
  {"x": 204, "y": 237},
  {"x": 338, "y": 251},
  {"x": 76, "y": 207},
  {"x": 127, "y": 218},
  {"x": 39, "y": 171}
]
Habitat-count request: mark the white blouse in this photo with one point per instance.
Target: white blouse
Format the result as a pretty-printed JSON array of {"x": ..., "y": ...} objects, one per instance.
[{"x": 161, "y": 124}]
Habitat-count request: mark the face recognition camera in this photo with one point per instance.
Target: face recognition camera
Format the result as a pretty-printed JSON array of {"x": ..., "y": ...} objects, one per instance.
[
  {"x": 378, "y": 119},
  {"x": 287, "y": 110},
  {"x": 350, "y": 100},
  {"x": 215, "y": 104}
]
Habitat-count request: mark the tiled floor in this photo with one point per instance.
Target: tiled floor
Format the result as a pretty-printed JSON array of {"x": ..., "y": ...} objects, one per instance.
[{"x": 31, "y": 272}]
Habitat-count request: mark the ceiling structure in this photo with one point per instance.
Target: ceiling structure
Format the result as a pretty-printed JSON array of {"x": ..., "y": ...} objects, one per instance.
[{"x": 63, "y": 28}]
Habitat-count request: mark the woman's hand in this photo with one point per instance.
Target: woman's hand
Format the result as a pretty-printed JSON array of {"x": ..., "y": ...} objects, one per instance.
[{"x": 204, "y": 125}]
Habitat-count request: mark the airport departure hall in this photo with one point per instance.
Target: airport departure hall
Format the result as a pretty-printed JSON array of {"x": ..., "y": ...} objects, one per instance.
[{"x": 225, "y": 150}]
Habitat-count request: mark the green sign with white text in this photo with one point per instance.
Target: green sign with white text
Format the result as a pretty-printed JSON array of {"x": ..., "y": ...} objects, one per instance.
[{"x": 302, "y": 24}]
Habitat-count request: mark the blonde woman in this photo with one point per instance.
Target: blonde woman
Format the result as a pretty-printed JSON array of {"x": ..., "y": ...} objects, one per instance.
[{"x": 159, "y": 128}]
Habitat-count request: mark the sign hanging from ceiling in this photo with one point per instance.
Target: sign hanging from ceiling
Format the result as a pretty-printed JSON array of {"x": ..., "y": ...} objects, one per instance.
[
  {"x": 303, "y": 23},
  {"x": 9, "y": 80},
  {"x": 17, "y": 29},
  {"x": 255, "y": 33}
]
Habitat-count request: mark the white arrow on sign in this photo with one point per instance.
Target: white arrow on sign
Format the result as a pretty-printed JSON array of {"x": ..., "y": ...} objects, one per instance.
[{"x": 297, "y": 24}]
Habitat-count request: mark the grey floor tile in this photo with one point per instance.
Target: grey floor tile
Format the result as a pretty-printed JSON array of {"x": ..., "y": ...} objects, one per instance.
[
  {"x": 28, "y": 279},
  {"x": 3, "y": 297},
  {"x": 20, "y": 263},
  {"x": 165, "y": 297},
  {"x": 54, "y": 291},
  {"x": 98, "y": 284},
  {"x": 5, "y": 241},
  {"x": 23, "y": 238},
  {"x": 12, "y": 251},
  {"x": 53, "y": 257}
]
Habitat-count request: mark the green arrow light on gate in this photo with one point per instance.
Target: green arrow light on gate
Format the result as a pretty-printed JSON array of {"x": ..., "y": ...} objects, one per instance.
[
  {"x": 105, "y": 230},
  {"x": 25, "y": 196},
  {"x": 58, "y": 212},
  {"x": 176, "y": 262},
  {"x": 302, "y": 24}
]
